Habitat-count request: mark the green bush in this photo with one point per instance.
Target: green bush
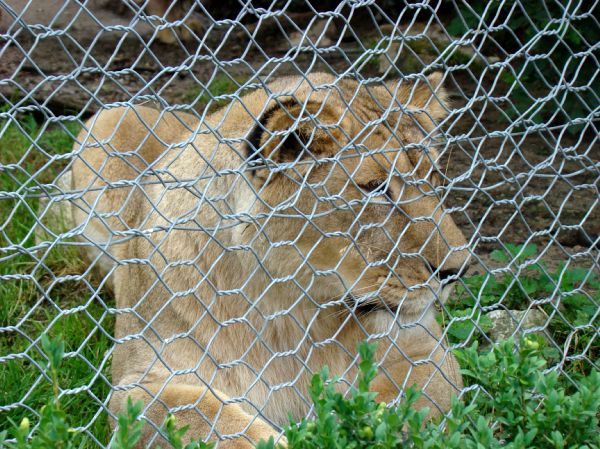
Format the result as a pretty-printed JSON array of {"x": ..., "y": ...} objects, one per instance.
[{"x": 514, "y": 404}]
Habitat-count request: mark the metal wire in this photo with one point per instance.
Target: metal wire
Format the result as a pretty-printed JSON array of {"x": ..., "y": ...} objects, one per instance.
[{"x": 512, "y": 159}]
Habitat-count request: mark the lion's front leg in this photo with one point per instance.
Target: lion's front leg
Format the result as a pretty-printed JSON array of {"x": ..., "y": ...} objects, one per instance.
[
  {"x": 439, "y": 378},
  {"x": 428, "y": 364},
  {"x": 204, "y": 411}
]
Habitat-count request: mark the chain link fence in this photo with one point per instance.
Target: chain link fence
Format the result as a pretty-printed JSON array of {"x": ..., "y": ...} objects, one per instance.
[{"x": 210, "y": 201}]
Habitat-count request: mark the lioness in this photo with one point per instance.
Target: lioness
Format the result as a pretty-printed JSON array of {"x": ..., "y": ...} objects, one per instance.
[{"x": 250, "y": 249}]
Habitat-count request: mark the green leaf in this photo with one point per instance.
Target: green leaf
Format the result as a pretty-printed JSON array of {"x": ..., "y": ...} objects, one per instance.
[
  {"x": 3, "y": 443},
  {"x": 499, "y": 256},
  {"x": 269, "y": 444},
  {"x": 54, "y": 349}
]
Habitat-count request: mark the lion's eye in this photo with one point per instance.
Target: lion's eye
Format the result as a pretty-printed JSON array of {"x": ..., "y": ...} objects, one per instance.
[
  {"x": 435, "y": 179},
  {"x": 377, "y": 187}
]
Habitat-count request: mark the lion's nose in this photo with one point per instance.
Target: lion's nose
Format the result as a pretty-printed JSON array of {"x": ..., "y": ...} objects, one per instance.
[
  {"x": 446, "y": 274},
  {"x": 452, "y": 274}
]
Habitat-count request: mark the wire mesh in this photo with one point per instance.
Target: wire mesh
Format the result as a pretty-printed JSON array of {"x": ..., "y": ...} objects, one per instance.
[{"x": 210, "y": 201}]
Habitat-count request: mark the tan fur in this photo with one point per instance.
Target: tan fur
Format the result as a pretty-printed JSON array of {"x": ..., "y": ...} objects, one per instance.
[{"x": 225, "y": 294}]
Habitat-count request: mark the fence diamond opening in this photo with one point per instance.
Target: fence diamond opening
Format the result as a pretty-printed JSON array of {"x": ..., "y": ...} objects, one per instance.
[{"x": 208, "y": 202}]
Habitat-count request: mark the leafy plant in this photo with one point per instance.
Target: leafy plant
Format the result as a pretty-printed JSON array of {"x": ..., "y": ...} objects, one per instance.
[
  {"x": 530, "y": 407},
  {"x": 515, "y": 405},
  {"x": 54, "y": 429}
]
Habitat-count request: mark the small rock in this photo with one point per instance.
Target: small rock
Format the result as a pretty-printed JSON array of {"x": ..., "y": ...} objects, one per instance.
[{"x": 507, "y": 323}]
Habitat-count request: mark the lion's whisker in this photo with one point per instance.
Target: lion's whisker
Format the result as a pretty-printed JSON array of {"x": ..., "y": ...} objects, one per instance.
[
  {"x": 370, "y": 245},
  {"x": 363, "y": 299},
  {"x": 337, "y": 297}
]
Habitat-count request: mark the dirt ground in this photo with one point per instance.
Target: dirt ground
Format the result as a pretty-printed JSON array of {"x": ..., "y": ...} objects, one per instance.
[{"x": 510, "y": 185}]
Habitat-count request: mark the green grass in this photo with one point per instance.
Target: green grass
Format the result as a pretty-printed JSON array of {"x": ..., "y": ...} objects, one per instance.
[
  {"x": 40, "y": 291},
  {"x": 57, "y": 427},
  {"x": 202, "y": 98}
]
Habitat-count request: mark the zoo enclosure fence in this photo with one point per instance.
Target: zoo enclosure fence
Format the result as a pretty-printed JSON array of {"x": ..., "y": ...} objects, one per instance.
[{"x": 519, "y": 149}]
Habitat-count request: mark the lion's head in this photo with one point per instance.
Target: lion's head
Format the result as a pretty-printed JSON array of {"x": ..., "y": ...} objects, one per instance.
[{"x": 346, "y": 194}]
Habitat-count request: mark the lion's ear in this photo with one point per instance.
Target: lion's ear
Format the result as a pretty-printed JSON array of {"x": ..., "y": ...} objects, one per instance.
[
  {"x": 289, "y": 131},
  {"x": 430, "y": 102},
  {"x": 433, "y": 97},
  {"x": 427, "y": 99}
]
